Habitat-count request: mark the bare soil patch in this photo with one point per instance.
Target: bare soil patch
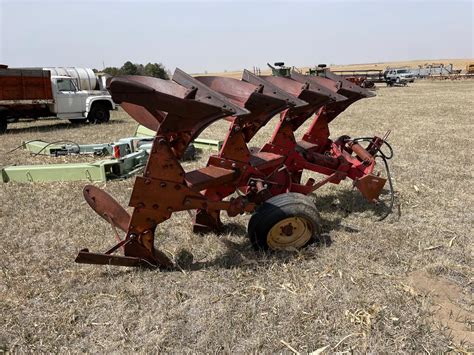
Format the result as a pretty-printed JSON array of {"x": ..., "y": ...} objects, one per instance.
[{"x": 446, "y": 300}]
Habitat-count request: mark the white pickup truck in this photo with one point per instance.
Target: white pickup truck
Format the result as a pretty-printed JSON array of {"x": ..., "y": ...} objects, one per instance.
[
  {"x": 34, "y": 93},
  {"x": 398, "y": 77}
]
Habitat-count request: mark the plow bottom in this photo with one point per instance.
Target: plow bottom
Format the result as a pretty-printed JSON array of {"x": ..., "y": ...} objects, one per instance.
[{"x": 238, "y": 179}]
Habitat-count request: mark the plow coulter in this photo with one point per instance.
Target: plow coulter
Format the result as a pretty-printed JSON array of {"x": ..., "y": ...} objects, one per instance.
[{"x": 264, "y": 181}]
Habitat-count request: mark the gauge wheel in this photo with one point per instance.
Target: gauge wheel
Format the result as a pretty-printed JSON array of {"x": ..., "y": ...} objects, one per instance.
[{"x": 285, "y": 222}]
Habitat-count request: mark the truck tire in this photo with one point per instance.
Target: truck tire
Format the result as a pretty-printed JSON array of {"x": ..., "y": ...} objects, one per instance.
[
  {"x": 99, "y": 113},
  {"x": 283, "y": 222},
  {"x": 3, "y": 125}
]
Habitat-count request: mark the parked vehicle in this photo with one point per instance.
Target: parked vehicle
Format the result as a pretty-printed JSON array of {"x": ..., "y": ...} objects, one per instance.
[
  {"x": 470, "y": 68},
  {"x": 86, "y": 78},
  {"x": 398, "y": 77},
  {"x": 34, "y": 93}
]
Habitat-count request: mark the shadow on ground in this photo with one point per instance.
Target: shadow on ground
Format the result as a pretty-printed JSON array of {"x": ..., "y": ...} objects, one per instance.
[
  {"x": 339, "y": 205},
  {"x": 60, "y": 125},
  {"x": 345, "y": 202}
]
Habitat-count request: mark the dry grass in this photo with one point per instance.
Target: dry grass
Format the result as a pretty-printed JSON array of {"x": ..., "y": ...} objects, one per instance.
[{"x": 352, "y": 293}]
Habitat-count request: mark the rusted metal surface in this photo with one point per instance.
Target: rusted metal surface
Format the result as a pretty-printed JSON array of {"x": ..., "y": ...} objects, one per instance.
[
  {"x": 178, "y": 114},
  {"x": 208, "y": 177},
  {"x": 181, "y": 108},
  {"x": 179, "y": 111},
  {"x": 317, "y": 152},
  {"x": 264, "y": 160},
  {"x": 106, "y": 207},
  {"x": 23, "y": 85},
  {"x": 235, "y": 154}
]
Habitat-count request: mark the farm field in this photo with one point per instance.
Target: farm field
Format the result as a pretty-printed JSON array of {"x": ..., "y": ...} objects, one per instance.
[
  {"x": 457, "y": 64},
  {"x": 404, "y": 284}
]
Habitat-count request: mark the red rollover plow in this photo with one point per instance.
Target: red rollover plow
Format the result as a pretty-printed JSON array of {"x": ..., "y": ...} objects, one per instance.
[
  {"x": 265, "y": 181},
  {"x": 316, "y": 152}
]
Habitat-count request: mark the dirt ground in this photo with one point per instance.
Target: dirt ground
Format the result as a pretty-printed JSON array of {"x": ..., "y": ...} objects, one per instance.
[{"x": 404, "y": 284}]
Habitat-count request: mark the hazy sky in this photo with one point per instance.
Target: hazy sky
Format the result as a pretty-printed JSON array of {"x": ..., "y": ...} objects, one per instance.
[{"x": 229, "y": 35}]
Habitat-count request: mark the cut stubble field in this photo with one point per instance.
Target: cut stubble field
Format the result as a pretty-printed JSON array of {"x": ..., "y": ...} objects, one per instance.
[{"x": 404, "y": 284}]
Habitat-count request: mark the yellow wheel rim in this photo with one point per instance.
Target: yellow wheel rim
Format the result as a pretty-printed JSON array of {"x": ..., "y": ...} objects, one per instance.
[{"x": 290, "y": 233}]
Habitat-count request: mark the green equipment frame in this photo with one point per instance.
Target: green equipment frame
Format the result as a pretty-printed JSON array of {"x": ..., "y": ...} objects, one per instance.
[{"x": 130, "y": 156}]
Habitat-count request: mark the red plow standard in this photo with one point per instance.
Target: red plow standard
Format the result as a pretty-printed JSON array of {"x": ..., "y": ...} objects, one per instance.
[
  {"x": 316, "y": 152},
  {"x": 239, "y": 179}
]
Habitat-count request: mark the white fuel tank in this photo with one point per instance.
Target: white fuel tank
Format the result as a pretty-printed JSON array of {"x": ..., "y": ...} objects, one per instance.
[{"x": 86, "y": 77}]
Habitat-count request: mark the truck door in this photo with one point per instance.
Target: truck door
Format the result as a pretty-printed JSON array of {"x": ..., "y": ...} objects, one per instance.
[{"x": 70, "y": 102}]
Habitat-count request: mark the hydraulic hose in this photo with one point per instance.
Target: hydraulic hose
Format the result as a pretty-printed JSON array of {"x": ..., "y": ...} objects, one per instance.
[{"x": 385, "y": 158}]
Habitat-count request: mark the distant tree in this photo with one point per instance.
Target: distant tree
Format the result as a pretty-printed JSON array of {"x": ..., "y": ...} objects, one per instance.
[
  {"x": 156, "y": 70},
  {"x": 128, "y": 68},
  {"x": 112, "y": 71},
  {"x": 140, "y": 69}
]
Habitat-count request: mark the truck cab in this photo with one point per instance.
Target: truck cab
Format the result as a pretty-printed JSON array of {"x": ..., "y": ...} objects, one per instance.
[
  {"x": 79, "y": 105},
  {"x": 35, "y": 93}
]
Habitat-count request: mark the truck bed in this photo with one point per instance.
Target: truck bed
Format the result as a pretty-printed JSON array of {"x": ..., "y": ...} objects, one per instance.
[{"x": 25, "y": 86}]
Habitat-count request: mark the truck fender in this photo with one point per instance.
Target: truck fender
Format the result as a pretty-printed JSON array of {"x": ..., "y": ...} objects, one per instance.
[{"x": 103, "y": 99}]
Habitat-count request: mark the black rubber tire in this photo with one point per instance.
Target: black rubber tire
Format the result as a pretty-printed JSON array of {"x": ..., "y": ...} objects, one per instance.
[
  {"x": 3, "y": 125},
  {"x": 280, "y": 207},
  {"x": 99, "y": 113},
  {"x": 189, "y": 153}
]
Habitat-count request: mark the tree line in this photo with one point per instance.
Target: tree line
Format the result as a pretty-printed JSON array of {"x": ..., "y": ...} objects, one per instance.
[{"x": 156, "y": 70}]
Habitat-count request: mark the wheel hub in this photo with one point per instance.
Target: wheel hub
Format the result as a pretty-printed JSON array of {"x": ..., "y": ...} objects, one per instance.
[
  {"x": 287, "y": 230},
  {"x": 290, "y": 233}
]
